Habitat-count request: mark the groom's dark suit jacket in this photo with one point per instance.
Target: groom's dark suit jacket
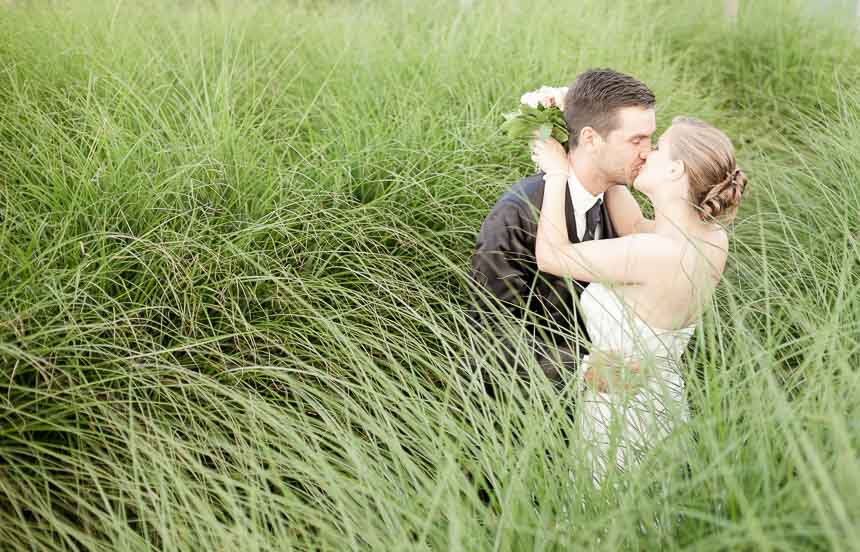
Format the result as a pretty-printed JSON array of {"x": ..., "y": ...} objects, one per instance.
[{"x": 504, "y": 260}]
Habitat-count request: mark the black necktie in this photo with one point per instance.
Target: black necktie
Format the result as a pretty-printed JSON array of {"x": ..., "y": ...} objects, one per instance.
[{"x": 592, "y": 221}]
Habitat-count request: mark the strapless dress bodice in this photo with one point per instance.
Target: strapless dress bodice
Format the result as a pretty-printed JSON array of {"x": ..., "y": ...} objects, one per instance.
[{"x": 613, "y": 326}]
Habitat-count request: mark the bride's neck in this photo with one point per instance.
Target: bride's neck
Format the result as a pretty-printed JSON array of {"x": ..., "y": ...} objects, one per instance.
[{"x": 676, "y": 218}]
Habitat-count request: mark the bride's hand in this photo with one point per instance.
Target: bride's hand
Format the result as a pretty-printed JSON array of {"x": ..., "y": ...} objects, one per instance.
[{"x": 550, "y": 156}]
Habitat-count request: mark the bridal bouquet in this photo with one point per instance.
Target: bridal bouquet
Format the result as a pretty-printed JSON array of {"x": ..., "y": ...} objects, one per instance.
[{"x": 540, "y": 110}]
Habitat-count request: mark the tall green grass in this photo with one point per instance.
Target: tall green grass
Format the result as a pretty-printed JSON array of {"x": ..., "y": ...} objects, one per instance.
[{"x": 234, "y": 241}]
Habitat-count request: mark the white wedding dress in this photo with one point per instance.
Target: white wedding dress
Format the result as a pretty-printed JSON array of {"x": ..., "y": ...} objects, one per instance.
[{"x": 623, "y": 426}]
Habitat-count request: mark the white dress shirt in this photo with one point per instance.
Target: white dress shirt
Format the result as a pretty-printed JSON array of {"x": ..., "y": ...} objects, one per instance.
[{"x": 582, "y": 202}]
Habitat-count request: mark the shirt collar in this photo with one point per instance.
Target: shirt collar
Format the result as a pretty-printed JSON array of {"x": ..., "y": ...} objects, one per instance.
[{"x": 581, "y": 198}]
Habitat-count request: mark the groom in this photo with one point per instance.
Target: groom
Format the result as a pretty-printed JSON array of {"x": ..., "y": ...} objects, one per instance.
[{"x": 620, "y": 109}]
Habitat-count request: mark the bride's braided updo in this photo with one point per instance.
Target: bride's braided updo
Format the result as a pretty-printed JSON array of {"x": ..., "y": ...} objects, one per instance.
[{"x": 716, "y": 182}]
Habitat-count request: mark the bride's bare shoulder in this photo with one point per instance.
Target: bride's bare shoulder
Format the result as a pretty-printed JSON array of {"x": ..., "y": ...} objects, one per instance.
[{"x": 716, "y": 250}]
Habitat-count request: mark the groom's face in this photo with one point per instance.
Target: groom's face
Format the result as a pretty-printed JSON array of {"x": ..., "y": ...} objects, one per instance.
[{"x": 625, "y": 148}]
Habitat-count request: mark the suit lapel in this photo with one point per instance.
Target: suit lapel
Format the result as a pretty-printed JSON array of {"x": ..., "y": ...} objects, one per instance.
[
  {"x": 607, "y": 231},
  {"x": 569, "y": 216}
]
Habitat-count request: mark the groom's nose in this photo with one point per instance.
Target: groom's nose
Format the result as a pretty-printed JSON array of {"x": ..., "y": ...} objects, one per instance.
[{"x": 646, "y": 149}]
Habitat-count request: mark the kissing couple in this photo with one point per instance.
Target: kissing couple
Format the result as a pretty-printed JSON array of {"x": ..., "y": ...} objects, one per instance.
[{"x": 610, "y": 298}]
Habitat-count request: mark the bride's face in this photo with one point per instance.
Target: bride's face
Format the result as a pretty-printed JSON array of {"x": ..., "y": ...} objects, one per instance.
[{"x": 659, "y": 169}]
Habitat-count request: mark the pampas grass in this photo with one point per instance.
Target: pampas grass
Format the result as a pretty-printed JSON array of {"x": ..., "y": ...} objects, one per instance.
[{"x": 234, "y": 243}]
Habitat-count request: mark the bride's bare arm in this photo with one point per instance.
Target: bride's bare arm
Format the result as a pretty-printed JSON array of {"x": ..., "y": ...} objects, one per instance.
[
  {"x": 552, "y": 224},
  {"x": 633, "y": 259},
  {"x": 636, "y": 258},
  {"x": 625, "y": 213}
]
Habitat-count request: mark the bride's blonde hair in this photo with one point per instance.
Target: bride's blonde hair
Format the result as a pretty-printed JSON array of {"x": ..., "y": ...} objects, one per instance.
[{"x": 716, "y": 182}]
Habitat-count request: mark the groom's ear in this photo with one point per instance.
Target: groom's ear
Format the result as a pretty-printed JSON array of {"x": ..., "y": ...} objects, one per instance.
[{"x": 589, "y": 138}]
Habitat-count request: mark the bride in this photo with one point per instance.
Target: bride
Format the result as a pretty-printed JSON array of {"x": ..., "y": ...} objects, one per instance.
[{"x": 649, "y": 287}]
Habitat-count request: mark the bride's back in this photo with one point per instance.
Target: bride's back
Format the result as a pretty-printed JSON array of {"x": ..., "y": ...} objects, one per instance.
[{"x": 683, "y": 290}]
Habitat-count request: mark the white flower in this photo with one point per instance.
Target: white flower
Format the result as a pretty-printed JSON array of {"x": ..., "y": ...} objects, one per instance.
[
  {"x": 530, "y": 99},
  {"x": 546, "y": 96}
]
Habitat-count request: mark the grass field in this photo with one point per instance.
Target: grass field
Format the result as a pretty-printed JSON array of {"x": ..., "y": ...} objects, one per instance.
[{"x": 234, "y": 241}]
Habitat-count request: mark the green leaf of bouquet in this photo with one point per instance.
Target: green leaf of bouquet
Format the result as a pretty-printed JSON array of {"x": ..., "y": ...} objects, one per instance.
[
  {"x": 545, "y": 131},
  {"x": 516, "y": 128},
  {"x": 529, "y": 110},
  {"x": 511, "y": 115}
]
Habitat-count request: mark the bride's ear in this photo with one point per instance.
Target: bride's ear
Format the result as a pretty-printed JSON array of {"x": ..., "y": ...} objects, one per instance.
[{"x": 677, "y": 169}]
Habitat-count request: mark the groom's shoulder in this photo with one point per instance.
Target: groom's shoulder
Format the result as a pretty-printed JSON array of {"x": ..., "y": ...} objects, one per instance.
[{"x": 527, "y": 191}]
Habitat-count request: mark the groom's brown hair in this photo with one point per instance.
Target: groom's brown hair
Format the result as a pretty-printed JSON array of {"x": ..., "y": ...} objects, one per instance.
[{"x": 595, "y": 96}]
